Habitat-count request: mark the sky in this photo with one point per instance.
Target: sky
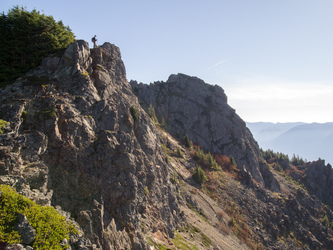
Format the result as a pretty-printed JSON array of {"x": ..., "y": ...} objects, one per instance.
[{"x": 273, "y": 58}]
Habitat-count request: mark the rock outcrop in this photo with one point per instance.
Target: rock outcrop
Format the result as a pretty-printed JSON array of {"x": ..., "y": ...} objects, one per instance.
[
  {"x": 318, "y": 179},
  {"x": 71, "y": 141},
  {"x": 28, "y": 233},
  {"x": 191, "y": 106}
]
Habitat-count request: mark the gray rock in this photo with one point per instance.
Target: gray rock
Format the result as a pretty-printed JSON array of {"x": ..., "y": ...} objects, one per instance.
[
  {"x": 191, "y": 106},
  {"x": 319, "y": 180},
  {"x": 270, "y": 181},
  {"x": 28, "y": 233},
  {"x": 15, "y": 247},
  {"x": 80, "y": 148}
]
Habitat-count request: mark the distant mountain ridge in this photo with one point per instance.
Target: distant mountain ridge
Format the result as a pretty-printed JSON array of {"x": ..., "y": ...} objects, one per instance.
[{"x": 308, "y": 140}]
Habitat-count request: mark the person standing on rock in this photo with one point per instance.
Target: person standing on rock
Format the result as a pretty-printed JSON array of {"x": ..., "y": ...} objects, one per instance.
[{"x": 94, "y": 40}]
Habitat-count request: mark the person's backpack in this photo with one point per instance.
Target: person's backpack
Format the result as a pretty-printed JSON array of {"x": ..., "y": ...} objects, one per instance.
[{"x": 93, "y": 39}]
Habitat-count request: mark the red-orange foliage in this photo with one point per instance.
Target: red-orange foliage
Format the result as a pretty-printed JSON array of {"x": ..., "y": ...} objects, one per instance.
[{"x": 223, "y": 161}]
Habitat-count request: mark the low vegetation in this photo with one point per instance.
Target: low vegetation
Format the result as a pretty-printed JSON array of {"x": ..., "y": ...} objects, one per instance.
[
  {"x": 199, "y": 175},
  {"x": 51, "y": 227},
  {"x": 289, "y": 172},
  {"x": 134, "y": 113},
  {"x": 187, "y": 142},
  {"x": 210, "y": 173},
  {"x": 181, "y": 243},
  {"x": 152, "y": 115},
  {"x": 2, "y": 124},
  {"x": 179, "y": 153},
  {"x": 205, "y": 159}
]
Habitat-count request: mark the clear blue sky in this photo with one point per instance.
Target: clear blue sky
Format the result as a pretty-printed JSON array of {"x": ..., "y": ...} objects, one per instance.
[{"x": 274, "y": 59}]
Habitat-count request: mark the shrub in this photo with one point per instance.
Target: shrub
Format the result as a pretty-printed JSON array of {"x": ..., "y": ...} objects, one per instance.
[
  {"x": 164, "y": 124},
  {"x": 2, "y": 124},
  {"x": 146, "y": 191},
  {"x": 85, "y": 73},
  {"x": 187, "y": 141},
  {"x": 179, "y": 153},
  {"x": 206, "y": 240},
  {"x": 232, "y": 160},
  {"x": 51, "y": 227},
  {"x": 224, "y": 162},
  {"x": 49, "y": 113},
  {"x": 199, "y": 155},
  {"x": 199, "y": 175},
  {"x": 151, "y": 113},
  {"x": 205, "y": 159},
  {"x": 134, "y": 113},
  {"x": 211, "y": 161},
  {"x": 24, "y": 115}
]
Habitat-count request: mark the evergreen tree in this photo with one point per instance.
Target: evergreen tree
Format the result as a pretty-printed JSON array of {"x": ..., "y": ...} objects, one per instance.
[
  {"x": 151, "y": 113},
  {"x": 26, "y": 39},
  {"x": 232, "y": 161},
  {"x": 188, "y": 143},
  {"x": 199, "y": 175}
]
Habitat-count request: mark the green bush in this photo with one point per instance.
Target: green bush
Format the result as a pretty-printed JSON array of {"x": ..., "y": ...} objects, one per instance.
[
  {"x": 179, "y": 153},
  {"x": 151, "y": 113},
  {"x": 134, "y": 113},
  {"x": 199, "y": 175},
  {"x": 49, "y": 113},
  {"x": 187, "y": 141},
  {"x": 211, "y": 163},
  {"x": 199, "y": 155},
  {"x": 232, "y": 160},
  {"x": 26, "y": 39},
  {"x": 146, "y": 191},
  {"x": 2, "y": 124},
  {"x": 206, "y": 159},
  {"x": 24, "y": 115},
  {"x": 51, "y": 227}
]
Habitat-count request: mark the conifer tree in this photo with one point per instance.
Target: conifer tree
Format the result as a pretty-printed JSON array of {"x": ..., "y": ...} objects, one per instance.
[{"x": 26, "y": 39}]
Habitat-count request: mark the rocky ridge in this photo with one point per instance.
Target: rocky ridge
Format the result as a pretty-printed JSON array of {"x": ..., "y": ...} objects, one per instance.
[
  {"x": 78, "y": 147},
  {"x": 199, "y": 110},
  {"x": 78, "y": 139}
]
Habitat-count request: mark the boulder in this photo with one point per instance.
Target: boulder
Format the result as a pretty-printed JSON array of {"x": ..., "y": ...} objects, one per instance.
[{"x": 28, "y": 233}]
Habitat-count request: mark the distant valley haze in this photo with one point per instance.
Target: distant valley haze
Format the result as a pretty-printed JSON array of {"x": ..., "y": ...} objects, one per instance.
[{"x": 308, "y": 140}]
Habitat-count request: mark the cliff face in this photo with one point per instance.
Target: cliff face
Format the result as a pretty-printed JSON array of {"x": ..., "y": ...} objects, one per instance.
[
  {"x": 73, "y": 142},
  {"x": 190, "y": 106}
]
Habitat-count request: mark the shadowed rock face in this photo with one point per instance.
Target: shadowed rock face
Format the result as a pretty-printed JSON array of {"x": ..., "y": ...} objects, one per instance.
[
  {"x": 190, "y": 106},
  {"x": 79, "y": 147},
  {"x": 319, "y": 180}
]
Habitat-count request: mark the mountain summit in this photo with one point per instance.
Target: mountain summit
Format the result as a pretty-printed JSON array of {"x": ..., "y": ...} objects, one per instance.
[
  {"x": 194, "y": 108},
  {"x": 77, "y": 136}
]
